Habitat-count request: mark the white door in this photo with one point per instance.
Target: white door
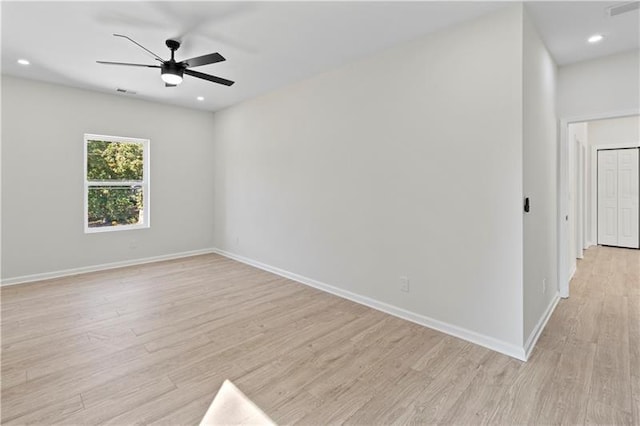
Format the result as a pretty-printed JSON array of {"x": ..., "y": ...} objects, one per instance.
[
  {"x": 608, "y": 197},
  {"x": 618, "y": 212},
  {"x": 628, "y": 198}
]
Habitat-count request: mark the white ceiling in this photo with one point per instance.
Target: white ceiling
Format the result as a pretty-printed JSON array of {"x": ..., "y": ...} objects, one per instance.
[
  {"x": 266, "y": 44},
  {"x": 565, "y": 25}
]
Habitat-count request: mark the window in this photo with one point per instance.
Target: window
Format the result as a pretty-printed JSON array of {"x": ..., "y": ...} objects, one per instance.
[{"x": 116, "y": 183}]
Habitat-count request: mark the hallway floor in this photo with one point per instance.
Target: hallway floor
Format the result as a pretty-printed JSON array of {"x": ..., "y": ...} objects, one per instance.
[{"x": 595, "y": 338}]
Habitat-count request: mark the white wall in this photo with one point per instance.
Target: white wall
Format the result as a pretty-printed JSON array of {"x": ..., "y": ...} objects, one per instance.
[
  {"x": 614, "y": 131},
  {"x": 601, "y": 86},
  {"x": 42, "y": 177},
  {"x": 406, "y": 163},
  {"x": 540, "y": 170}
]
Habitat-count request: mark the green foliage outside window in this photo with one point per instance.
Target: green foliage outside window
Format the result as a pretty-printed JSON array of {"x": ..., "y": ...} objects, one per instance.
[{"x": 114, "y": 204}]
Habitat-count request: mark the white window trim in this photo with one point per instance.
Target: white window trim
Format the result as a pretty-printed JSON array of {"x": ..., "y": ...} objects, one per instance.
[{"x": 145, "y": 184}]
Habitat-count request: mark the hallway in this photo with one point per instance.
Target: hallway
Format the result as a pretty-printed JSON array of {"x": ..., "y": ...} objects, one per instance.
[{"x": 595, "y": 338}]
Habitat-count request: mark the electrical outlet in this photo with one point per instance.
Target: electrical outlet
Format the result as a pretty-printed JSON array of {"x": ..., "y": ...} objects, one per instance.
[
  {"x": 544, "y": 286},
  {"x": 404, "y": 284}
]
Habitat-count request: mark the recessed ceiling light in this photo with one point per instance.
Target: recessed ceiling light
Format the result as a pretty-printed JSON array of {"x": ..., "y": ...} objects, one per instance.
[
  {"x": 200, "y": 98},
  {"x": 23, "y": 62},
  {"x": 595, "y": 38}
]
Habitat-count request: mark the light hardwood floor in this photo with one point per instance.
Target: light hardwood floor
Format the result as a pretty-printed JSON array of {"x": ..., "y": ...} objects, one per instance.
[{"x": 153, "y": 343}]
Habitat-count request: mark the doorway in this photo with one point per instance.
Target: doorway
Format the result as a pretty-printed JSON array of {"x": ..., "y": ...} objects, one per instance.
[{"x": 580, "y": 141}]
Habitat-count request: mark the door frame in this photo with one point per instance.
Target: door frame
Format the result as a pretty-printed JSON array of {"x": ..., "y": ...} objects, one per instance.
[
  {"x": 586, "y": 226},
  {"x": 562, "y": 191},
  {"x": 580, "y": 193}
]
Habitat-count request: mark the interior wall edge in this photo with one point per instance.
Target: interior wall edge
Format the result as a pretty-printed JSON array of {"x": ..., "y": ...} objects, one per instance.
[
  {"x": 540, "y": 157},
  {"x": 471, "y": 336}
]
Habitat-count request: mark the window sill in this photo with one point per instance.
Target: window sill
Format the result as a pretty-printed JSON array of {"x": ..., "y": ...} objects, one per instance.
[{"x": 116, "y": 228}]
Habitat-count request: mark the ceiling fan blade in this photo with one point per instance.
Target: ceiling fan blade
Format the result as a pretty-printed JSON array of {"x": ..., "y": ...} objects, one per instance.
[
  {"x": 170, "y": 85},
  {"x": 156, "y": 57},
  {"x": 198, "y": 61},
  {"x": 127, "y": 64},
  {"x": 208, "y": 77}
]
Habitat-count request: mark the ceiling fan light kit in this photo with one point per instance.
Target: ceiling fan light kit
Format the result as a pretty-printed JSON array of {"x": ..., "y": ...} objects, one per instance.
[{"x": 172, "y": 72}]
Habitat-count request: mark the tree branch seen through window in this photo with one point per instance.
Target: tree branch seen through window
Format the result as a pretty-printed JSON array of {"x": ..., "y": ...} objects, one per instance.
[{"x": 115, "y": 182}]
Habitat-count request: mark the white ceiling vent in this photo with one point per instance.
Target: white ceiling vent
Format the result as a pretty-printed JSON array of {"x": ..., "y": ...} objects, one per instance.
[{"x": 621, "y": 8}]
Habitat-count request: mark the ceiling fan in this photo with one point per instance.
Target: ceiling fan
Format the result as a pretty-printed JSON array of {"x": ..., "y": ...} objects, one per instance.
[{"x": 172, "y": 71}]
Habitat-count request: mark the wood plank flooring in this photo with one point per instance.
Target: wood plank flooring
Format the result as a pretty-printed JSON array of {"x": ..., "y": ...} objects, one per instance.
[{"x": 152, "y": 344}]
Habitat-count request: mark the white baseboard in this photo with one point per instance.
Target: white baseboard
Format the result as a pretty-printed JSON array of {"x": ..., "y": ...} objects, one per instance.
[
  {"x": 453, "y": 330},
  {"x": 542, "y": 323},
  {"x": 93, "y": 268}
]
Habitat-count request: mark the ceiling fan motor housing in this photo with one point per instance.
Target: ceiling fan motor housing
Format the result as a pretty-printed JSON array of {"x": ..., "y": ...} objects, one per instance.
[{"x": 172, "y": 67}]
